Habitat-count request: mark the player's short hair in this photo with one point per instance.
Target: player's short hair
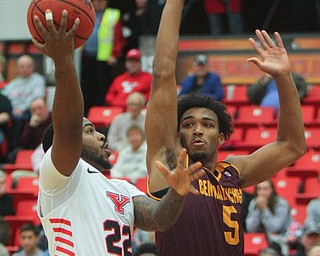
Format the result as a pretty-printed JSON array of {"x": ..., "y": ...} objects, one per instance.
[
  {"x": 204, "y": 101},
  {"x": 47, "y": 138}
]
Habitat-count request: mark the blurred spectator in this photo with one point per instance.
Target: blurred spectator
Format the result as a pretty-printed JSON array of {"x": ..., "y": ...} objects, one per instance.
[
  {"x": 3, "y": 250},
  {"x": 131, "y": 162},
  {"x": 29, "y": 238},
  {"x": 6, "y": 200},
  {"x": 269, "y": 252},
  {"x": 313, "y": 210},
  {"x": 21, "y": 91},
  {"x": 4, "y": 237},
  {"x": 202, "y": 81},
  {"x": 269, "y": 213},
  {"x": 265, "y": 93},
  {"x": 134, "y": 24},
  {"x": 5, "y": 117},
  {"x": 117, "y": 134},
  {"x": 133, "y": 80},
  {"x": 3, "y": 82},
  {"x": 153, "y": 15},
  {"x": 246, "y": 198},
  {"x": 310, "y": 238},
  {"x": 40, "y": 119},
  {"x": 100, "y": 54},
  {"x": 218, "y": 10}
]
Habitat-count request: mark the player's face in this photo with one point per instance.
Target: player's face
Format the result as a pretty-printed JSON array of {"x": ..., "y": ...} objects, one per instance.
[
  {"x": 95, "y": 148},
  {"x": 199, "y": 134}
]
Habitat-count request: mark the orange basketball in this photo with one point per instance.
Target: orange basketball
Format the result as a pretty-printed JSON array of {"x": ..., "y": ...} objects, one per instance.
[{"x": 82, "y": 9}]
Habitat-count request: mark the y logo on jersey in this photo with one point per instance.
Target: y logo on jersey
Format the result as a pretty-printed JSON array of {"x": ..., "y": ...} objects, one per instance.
[{"x": 119, "y": 201}]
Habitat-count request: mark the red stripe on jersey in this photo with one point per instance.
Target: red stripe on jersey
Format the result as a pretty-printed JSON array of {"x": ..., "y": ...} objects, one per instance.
[
  {"x": 64, "y": 241},
  {"x": 63, "y": 221},
  {"x": 63, "y": 231},
  {"x": 60, "y": 249}
]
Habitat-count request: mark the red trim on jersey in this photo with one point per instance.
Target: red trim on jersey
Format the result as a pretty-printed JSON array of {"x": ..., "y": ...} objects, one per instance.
[
  {"x": 60, "y": 249},
  {"x": 64, "y": 241}
]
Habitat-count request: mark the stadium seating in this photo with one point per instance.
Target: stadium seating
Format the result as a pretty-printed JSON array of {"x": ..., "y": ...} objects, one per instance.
[
  {"x": 235, "y": 95},
  {"x": 102, "y": 116},
  {"x": 22, "y": 162},
  {"x": 257, "y": 137},
  {"x": 253, "y": 243},
  {"x": 28, "y": 184},
  {"x": 255, "y": 116},
  {"x": 306, "y": 166}
]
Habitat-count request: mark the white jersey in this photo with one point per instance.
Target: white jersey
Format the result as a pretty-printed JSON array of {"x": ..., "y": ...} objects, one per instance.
[{"x": 86, "y": 213}]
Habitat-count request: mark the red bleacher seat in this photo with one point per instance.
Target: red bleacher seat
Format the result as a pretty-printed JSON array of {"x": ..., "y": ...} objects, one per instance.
[
  {"x": 28, "y": 184},
  {"x": 253, "y": 243},
  {"x": 309, "y": 116},
  {"x": 20, "y": 196},
  {"x": 287, "y": 187},
  {"x": 306, "y": 166},
  {"x": 313, "y": 97},
  {"x": 312, "y": 136},
  {"x": 236, "y": 137},
  {"x": 254, "y": 116},
  {"x": 257, "y": 137},
  {"x": 235, "y": 95},
  {"x": 22, "y": 162},
  {"x": 28, "y": 208},
  {"x": 311, "y": 190},
  {"x": 298, "y": 212},
  {"x": 102, "y": 116}
]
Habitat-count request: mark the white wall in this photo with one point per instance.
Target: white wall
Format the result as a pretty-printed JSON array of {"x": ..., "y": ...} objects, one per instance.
[{"x": 13, "y": 21}]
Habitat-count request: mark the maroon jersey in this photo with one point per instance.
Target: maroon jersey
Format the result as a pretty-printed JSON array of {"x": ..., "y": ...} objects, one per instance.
[{"x": 210, "y": 223}]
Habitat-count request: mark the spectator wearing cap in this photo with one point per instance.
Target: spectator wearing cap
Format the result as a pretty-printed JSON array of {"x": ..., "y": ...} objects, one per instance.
[
  {"x": 132, "y": 80},
  {"x": 202, "y": 81},
  {"x": 310, "y": 238}
]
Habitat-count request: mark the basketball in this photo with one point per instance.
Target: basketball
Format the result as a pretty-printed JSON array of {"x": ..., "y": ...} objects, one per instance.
[{"x": 82, "y": 9}]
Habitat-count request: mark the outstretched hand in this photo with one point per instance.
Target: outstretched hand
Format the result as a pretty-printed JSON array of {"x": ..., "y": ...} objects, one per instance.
[
  {"x": 181, "y": 178},
  {"x": 58, "y": 43},
  {"x": 273, "y": 56}
]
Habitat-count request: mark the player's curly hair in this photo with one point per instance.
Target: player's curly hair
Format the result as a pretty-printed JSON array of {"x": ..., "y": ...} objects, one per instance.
[
  {"x": 204, "y": 101},
  {"x": 47, "y": 138}
]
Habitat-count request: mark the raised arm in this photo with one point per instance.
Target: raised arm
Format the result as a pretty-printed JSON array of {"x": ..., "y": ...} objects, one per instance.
[
  {"x": 161, "y": 119},
  {"x": 290, "y": 142},
  {"x": 67, "y": 112},
  {"x": 159, "y": 216}
]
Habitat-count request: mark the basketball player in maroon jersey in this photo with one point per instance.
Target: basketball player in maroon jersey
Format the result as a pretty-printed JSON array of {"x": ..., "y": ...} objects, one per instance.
[{"x": 210, "y": 223}]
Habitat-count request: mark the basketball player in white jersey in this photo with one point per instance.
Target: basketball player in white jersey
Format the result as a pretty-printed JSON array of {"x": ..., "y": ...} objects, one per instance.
[{"x": 84, "y": 213}]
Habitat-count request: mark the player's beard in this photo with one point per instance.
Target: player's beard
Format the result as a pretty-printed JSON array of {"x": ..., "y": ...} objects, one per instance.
[
  {"x": 96, "y": 159},
  {"x": 199, "y": 156}
]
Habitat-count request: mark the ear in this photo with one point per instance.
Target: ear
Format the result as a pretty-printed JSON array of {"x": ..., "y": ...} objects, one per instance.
[{"x": 221, "y": 139}]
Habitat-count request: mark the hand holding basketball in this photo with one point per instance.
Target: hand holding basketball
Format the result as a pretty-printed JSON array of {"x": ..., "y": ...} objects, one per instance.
[
  {"x": 82, "y": 9},
  {"x": 58, "y": 43}
]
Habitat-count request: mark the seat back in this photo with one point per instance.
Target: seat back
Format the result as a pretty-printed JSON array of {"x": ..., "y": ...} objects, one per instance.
[
  {"x": 102, "y": 116},
  {"x": 253, "y": 243}
]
